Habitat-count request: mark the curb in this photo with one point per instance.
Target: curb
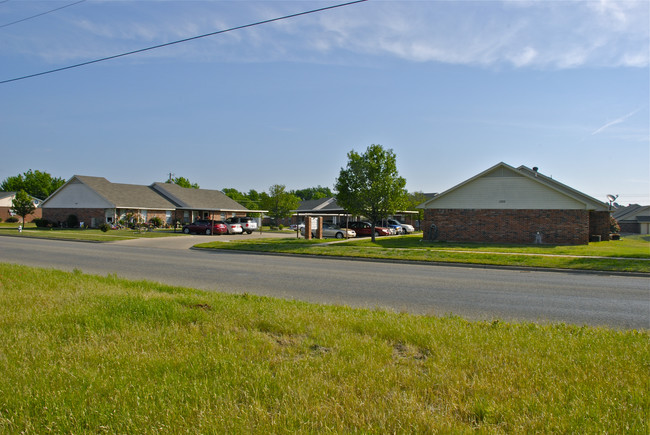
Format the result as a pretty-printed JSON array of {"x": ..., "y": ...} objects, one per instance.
[{"x": 437, "y": 263}]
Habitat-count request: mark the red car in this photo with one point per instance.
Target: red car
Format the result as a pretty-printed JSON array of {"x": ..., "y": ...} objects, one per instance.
[
  {"x": 365, "y": 229},
  {"x": 205, "y": 227}
]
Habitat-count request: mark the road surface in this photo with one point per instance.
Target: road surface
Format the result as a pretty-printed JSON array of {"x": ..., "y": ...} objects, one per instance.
[{"x": 471, "y": 292}]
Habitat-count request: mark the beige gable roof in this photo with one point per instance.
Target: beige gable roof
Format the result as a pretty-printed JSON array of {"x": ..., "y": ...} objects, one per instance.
[
  {"x": 198, "y": 199},
  {"x": 117, "y": 195},
  {"x": 504, "y": 187}
]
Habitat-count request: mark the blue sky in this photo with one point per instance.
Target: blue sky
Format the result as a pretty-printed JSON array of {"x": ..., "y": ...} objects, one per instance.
[{"x": 453, "y": 87}]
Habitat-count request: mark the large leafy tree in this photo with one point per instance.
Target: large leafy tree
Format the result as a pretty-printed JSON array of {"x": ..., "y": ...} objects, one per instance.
[
  {"x": 313, "y": 193},
  {"x": 183, "y": 182},
  {"x": 415, "y": 199},
  {"x": 23, "y": 204},
  {"x": 279, "y": 203},
  {"x": 37, "y": 184},
  {"x": 370, "y": 185}
]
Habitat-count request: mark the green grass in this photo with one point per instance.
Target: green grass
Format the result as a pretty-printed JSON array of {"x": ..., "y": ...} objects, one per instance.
[
  {"x": 83, "y": 234},
  {"x": 630, "y": 254},
  {"x": 86, "y": 354}
]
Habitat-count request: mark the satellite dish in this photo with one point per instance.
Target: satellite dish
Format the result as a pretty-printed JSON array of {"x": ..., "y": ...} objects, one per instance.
[
  {"x": 616, "y": 205},
  {"x": 612, "y": 198}
]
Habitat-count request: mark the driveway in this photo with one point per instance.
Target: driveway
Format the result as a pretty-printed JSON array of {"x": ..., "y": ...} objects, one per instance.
[{"x": 186, "y": 242}]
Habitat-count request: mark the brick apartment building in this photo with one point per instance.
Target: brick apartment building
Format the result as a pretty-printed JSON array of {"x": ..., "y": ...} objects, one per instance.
[{"x": 508, "y": 205}]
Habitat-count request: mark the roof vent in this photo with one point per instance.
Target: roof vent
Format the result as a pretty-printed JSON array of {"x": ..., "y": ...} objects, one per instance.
[{"x": 535, "y": 169}]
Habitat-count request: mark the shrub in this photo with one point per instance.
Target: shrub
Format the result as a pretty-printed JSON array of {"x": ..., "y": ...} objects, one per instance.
[
  {"x": 614, "y": 227},
  {"x": 0, "y": 219},
  {"x": 104, "y": 227},
  {"x": 42, "y": 223},
  {"x": 12, "y": 220},
  {"x": 72, "y": 221},
  {"x": 156, "y": 221}
]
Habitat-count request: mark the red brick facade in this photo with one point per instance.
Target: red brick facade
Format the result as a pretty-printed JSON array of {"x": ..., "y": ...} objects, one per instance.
[
  {"x": 86, "y": 215},
  {"x": 599, "y": 224},
  {"x": 5, "y": 214},
  {"x": 568, "y": 227}
]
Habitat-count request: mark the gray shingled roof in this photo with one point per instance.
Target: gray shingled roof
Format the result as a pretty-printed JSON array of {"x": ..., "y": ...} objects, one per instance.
[
  {"x": 198, "y": 199},
  {"x": 321, "y": 206},
  {"x": 126, "y": 195}
]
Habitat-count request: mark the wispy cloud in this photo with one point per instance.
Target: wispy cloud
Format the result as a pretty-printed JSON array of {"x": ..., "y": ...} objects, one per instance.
[
  {"x": 518, "y": 34},
  {"x": 614, "y": 122}
]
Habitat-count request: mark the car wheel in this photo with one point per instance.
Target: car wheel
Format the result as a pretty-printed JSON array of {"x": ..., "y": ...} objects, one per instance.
[
  {"x": 186, "y": 230},
  {"x": 208, "y": 232},
  {"x": 339, "y": 235},
  {"x": 376, "y": 233}
]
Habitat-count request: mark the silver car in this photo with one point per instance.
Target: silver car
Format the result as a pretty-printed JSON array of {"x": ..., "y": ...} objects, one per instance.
[{"x": 331, "y": 230}]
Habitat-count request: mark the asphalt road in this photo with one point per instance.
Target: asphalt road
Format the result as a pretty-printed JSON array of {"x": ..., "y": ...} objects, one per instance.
[{"x": 471, "y": 292}]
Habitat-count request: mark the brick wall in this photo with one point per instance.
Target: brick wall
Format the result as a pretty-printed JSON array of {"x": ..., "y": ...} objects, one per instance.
[
  {"x": 599, "y": 224},
  {"x": 569, "y": 227},
  {"x": 4, "y": 214},
  {"x": 630, "y": 227},
  {"x": 85, "y": 215}
]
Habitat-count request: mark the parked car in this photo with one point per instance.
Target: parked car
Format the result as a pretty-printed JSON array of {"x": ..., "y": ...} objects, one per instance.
[
  {"x": 202, "y": 226},
  {"x": 365, "y": 229},
  {"x": 234, "y": 227},
  {"x": 395, "y": 229},
  {"x": 248, "y": 224},
  {"x": 406, "y": 228},
  {"x": 296, "y": 227},
  {"x": 332, "y": 230}
]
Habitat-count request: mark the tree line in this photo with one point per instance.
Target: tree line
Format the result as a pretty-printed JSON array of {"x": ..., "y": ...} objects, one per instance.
[{"x": 369, "y": 186}]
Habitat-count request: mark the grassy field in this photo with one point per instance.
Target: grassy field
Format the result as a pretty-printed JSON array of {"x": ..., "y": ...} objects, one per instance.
[
  {"x": 631, "y": 254},
  {"x": 94, "y": 235},
  {"x": 87, "y": 354}
]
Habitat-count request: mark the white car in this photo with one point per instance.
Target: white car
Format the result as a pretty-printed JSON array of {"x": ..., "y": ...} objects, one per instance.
[{"x": 234, "y": 228}]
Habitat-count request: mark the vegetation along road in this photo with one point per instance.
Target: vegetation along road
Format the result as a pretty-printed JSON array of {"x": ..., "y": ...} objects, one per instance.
[{"x": 471, "y": 292}]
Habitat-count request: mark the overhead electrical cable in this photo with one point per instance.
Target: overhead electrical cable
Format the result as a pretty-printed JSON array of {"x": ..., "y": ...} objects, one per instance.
[
  {"x": 183, "y": 40},
  {"x": 42, "y": 13}
]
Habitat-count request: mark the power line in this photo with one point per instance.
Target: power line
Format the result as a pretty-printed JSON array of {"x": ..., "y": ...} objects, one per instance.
[
  {"x": 182, "y": 40},
  {"x": 41, "y": 14}
]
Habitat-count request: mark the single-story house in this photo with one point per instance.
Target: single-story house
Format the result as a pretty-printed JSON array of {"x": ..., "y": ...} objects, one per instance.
[
  {"x": 95, "y": 200},
  {"x": 507, "y": 205},
  {"x": 6, "y": 199},
  {"x": 191, "y": 204},
  {"x": 634, "y": 218}
]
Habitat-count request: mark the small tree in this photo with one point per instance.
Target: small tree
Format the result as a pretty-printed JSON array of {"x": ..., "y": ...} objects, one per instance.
[
  {"x": 370, "y": 185},
  {"x": 279, "y": 202},
  {"x": 22, "y": 205}
]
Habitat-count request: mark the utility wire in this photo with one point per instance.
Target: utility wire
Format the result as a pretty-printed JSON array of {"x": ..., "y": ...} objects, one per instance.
[
  {"x": 182, "y": 40},
  {"x": 41, "y": 14}
]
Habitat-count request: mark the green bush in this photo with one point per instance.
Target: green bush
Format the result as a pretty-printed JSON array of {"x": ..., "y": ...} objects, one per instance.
[
  {"x": 104, "y": 227},
  {"x": 72, "y": 221},
  {"x": 12, "y": 220},
  {"x": 156, "y": 221},
  {"x": 42, "y": 223}
]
